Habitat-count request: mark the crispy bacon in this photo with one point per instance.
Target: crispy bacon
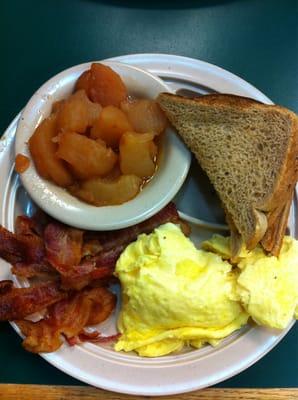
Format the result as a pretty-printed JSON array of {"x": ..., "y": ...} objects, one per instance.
[
  {"x": 100, "y": 338},
  {"x": 23, "y": 246},
  {"x": 112, "y": 243},
  {"x": 113, "y": 239},
  {"x": 18, "y": 303},
  {"x": 79, "y": 278},
  {"x": 108, "y": 257},
  {"x": 5, "y": 286},
  {"x": 25, "y": 249},
  {"x": 91, "y": 247},
  {"x": 34, "y": 248},
  {"x": 93, "y": 337},
  {"x": 63, "y": 246},
  {"x": 79, "y": 265},
  {"x": 11, "y": 249},
  {"x": 96, "y": 267},
  {"x": 68, "y": 318},
  {"x": 26, "y": 226},
  {"x": 28, "y": 232},
  {"x": 41, "y": 220},
  {"x": 32, "y": 270}
]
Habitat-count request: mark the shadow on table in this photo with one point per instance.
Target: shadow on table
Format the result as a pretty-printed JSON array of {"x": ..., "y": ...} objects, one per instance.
[{"x": 163, "y": 4}]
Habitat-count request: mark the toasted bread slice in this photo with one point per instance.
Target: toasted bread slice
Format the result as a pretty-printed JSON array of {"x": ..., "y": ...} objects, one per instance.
[
  {"x": 277, "y": 225},
  {"x": 236, "y": 239},
  {"x": 249, "y": 151}
]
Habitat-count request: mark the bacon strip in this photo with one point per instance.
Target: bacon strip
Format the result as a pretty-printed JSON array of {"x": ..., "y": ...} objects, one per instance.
[
  {"x": 78, "y": 259},
  {"x": 26, "y": 226},
  {"x": 83, "y": 275},
  {"x": 32, "y": 270},
  {"x": 67, "y": 317},
  {"x": 113, "y": 243},
  {"x": 5, "y": 286},
  {"x": 91, "y": 247},
  {"x": 11, "y": 249},
  {"x": 23, "y": 246},
  {"x": 63, "y": 246},
  {"x": 93, "y": 337},
  {"x": 18, "y": 303},
  {"x": 120, "y": 237},
  {"x": 29, "y": 233},
  {"x": 36, "y": 223},
  {"x": 93, "y": 268}
]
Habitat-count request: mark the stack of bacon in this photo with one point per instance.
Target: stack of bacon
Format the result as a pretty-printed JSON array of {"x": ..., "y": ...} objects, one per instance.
[{"x": 69, "y": 270}]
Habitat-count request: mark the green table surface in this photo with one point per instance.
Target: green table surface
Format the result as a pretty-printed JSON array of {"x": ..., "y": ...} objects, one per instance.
[{"x": 255, "y": 39}]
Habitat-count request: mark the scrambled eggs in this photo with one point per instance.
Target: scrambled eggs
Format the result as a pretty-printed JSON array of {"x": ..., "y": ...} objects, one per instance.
[
  {"x": 174, "y": 294},
  {"x": 267, "y": 286}
]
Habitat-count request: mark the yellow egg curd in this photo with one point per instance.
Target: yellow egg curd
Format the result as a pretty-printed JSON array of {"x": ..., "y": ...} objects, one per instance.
[
  {"x": 267, "y": 286},
  {"x": 174, "y": 295}
]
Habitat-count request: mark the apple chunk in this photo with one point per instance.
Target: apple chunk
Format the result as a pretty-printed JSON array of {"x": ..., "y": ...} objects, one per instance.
[
  {"x": 77, "y": 113},
  {"x": 138, "y": 154},
  {"x": 102, "y": 192},
  {"x": 87, "y": 157},
  {"x": 43, "y": 151},
  {"x": 145, "y": 115},
  {"x": 110, "y": 125}
]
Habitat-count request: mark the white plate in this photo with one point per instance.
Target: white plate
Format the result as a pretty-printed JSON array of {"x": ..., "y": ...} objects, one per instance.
[{"x": 128, "y": 373}]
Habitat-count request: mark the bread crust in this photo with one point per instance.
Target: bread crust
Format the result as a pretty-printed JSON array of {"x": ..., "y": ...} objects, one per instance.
[
  {"x": 288, "y": 174},
  {"x": 275, "y": 206},
  {"x": 277, "y": 225}
]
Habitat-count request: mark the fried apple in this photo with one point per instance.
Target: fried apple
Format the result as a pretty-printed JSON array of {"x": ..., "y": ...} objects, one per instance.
[
  {"x": 145, "y": 115},
  {"x": 43, "y": 151},
  {"x": 21, "y": 163},
  {"x": 84, "y": 81},
  {"x": 111, "y": 125},
  {"x": 102, "y": 192},
  {"x": 87, "y": 157},
  {"x": 57, "y": 105},
  {"x": 104, "y": 85},
  {"x": 77, "y": 113},
  {"x": 138, "y": 154}
]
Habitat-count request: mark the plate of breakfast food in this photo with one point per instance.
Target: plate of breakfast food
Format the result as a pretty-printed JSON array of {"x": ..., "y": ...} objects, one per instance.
[{"x": 149, "y": 223}]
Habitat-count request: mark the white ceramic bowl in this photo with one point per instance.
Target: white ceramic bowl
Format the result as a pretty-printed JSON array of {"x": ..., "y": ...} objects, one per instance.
[{"x": 56, "y": 201}]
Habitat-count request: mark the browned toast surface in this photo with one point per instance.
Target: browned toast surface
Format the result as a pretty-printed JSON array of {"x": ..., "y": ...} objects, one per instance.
[{"x": 248, "y": 149}]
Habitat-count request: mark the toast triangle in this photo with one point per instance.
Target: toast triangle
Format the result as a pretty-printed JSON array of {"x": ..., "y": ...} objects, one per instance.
[{"x": 249, "y": 151}]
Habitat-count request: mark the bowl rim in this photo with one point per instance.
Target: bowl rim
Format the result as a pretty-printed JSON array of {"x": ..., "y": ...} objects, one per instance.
[{"x": 73, "y": 211}]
